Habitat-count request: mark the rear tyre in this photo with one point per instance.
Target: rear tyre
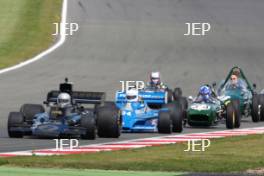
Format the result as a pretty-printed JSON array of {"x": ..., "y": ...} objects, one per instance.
[
  {"x": 169, "y": 95},
  {"x": 230, "y": 116},
  {"x": 255, "y": 110},
  {"x": 177, "y": 93},
  {"x": 30, "y": 110},
  {"x": 164, "y": 123},
  {"x": 236, "y": 104},
  {"x": 15, "y": 119},
  {"x": 108, "y": 122},
  {"x": 184, "y": 103},
  {"x": 89, "y": 124}
]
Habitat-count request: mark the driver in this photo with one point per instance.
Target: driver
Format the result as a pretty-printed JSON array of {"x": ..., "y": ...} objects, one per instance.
[
  {"x": 155, "y": 81},
  {"x": 205, "y": 95},
  {"x": 237, "y": 72},
  {"x": 64, "y": 103},
  {"x": 133, "y": 99},
  {"x": 236, "y": 83}
]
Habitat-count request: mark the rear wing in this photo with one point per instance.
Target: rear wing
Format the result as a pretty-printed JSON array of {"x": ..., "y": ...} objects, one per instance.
[
  {"x": 80, "y": 97},
  {"x": 77, "y": 96},
  {"x": 149, "y": 97}
]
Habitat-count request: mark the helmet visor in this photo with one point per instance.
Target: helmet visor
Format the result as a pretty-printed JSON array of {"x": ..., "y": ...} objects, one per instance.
[
  {"x": 155, "y": 80},
  {"x": 63, "y": 100},
  {"x": 131, "y": 97}
]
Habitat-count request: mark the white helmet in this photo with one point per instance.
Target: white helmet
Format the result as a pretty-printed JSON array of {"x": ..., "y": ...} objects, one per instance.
[
  {"x": 132, "y": 95},
  {"x": 64, "y": 100},
  {"x": 155, "y": 77}
]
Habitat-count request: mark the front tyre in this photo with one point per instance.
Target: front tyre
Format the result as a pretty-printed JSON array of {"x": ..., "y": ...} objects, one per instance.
[
  {"x": 236, "y": 105},
  {"x": 261, "y": 106},
  {"x": 176, "y": 114},
  {"x": 15, "y": 119},
  {"x": 108, "y": 122},
  {"x": 255, "y": 109},
  {"x": 230, "y": 116},
  {"x": 164, "y": 123}
]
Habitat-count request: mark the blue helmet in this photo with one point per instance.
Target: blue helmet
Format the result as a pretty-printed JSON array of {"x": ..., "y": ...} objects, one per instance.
[{"x": 205, "y": 92}]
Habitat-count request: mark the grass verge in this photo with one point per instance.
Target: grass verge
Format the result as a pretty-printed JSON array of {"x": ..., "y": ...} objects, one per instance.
[
  {"x": 13, "y": 171},
  {"x": 26, "y": 28},
  {"x": 234, "y": 154}
]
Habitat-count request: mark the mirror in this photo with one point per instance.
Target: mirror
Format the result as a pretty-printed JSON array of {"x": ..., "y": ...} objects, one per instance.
[
  {"x": 190, "y": 98},
  {"x": 214, "y": 84}
]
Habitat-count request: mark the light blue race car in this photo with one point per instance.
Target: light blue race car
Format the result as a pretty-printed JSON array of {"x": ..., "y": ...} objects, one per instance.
[{"x": 149, "y": 112}]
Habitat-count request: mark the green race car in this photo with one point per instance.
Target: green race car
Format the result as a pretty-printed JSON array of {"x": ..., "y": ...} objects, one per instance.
[
  {"x": 210, "y": 113},
  {"x": 229, "y": 103},
  {"x": 250, "y": 102}
]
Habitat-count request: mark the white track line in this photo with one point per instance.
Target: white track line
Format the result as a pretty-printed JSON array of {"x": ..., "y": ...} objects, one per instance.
[{"x": 51, "y": 49}]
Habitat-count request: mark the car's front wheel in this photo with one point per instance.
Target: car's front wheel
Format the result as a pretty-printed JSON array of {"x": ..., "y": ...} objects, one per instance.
[
  {"x": 108, "y": 122},
  {"x": 164, "y": 123},
  {"x": 15, "y": 119},
  {"x": 230, "y": 116},
  {"x": 255, "y": 109}
]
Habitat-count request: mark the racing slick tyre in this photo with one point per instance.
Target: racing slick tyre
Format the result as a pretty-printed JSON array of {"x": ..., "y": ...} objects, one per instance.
[
  {"x": 15, "y": 119},
  {"x": 108, "y": 122},
  {"x": 177, "y": 119},
  {"x": 109, "y": 104},
  {"x": 184, "y": 102},
  {"x": 177, "y": 93},
  {"x": 230, "y": 116},
  {"x": 255, "y": 109},
  {"x": 261, "y": 103},
  {"x": 176, "y": 114},
  {"x": 164, "y": 123},
  {"x": 89, "y": 124},
  {"x": 169, "y": 95},
  {"x": 236, "y": 104},
  {"x": 30, "y": 110}
]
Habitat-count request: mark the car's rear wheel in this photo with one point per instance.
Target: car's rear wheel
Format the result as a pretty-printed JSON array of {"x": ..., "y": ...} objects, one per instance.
[
  {"x": 177, "y": 93},
  {"x": 15, "y": 119},
  {"x": 108, "y": 122},
  {"x": 30, "y": 110},
  {"x": 88, "y": 122},
  {"x": 255, "y": 109},
  {"x": 169, "y": 95},
  {"x": 164, "y": 123}
]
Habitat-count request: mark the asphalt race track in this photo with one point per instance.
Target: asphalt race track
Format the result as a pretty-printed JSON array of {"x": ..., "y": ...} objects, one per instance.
[{"x": 127, "y": 39}]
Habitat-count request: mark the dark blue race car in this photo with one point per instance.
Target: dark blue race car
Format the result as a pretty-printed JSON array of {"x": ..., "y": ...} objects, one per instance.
[{"x": 73, "y": 120}]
